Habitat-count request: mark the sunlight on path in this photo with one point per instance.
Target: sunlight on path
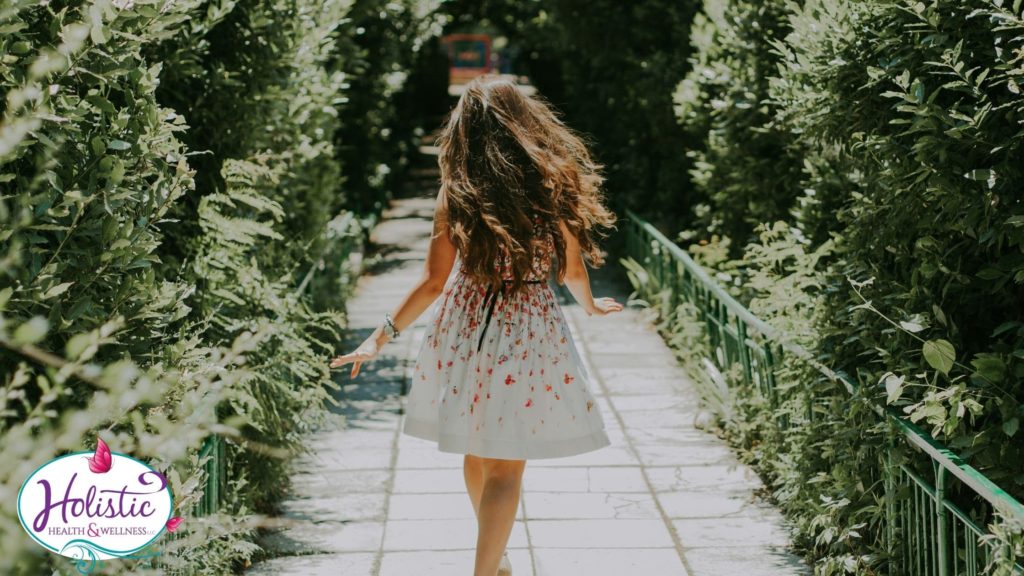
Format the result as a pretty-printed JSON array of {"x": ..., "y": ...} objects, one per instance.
[{"x": 664, "y": 499}]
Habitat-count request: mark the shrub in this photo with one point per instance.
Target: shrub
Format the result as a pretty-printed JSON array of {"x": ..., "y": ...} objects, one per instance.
[
  {"x": 746, "y": 168},
  {"x": 908, "y": 117},
  {"x": 171, "y": 193}
]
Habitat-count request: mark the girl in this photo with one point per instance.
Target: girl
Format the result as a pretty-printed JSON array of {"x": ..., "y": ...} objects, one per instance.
[{"x": 498, "y": 377}]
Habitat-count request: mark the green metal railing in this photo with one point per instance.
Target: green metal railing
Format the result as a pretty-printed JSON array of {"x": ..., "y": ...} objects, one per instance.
[
  {"x": 937, "y": 504},
  {"x": 214, "y": 457}
]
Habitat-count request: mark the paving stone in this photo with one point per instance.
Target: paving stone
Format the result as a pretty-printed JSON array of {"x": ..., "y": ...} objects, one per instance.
[
  {"x": 428, "y": 458},
  {"x": 610, "y": 562},
  {"x": 414, "y": 480},
  {"x": 430, "y": 506},
  {"x": 613, "y": 455},
  {"x": 435, "y": 534},
  {"x": 670, "y": 373},
  {"x": 634, "y": 386},
  {"x": 332, "y": 439},
  {"x": 653, "y": 436},
  {"x": 336, "y": 508},
  {"x": 718, "y": 477},
  {"x": 616, "y": 479},
  {"x": 660, "y": 418},
  {"x": 671, "y": 402},
  {"x": 599, "y": 533},
  {"x": 627, "y": 356},
  {"x": 347, "y": 458},
  {"x": 325, "y": 537},
  {"x": 689, "y": 454},
  {"x": 569, "y": 505},
  {"x": 447, "y": 563},
  {"x": 744, "y": 531},
  {"x": 748, "y": 561},
  {"x": 353, "y": 564},
  {"x": 547, "y": 479},
  {"x": 345, "y": 481},
  {"x": 709, "y": 505}
]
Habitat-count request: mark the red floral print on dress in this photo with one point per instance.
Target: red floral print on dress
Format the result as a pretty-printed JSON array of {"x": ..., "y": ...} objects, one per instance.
[{"x": 530, "y": 344}]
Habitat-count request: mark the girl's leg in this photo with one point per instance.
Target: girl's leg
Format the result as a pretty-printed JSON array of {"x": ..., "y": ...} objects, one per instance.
[
  {"x": 473, "y": 470},
  {"x": 499, "y": 500}
]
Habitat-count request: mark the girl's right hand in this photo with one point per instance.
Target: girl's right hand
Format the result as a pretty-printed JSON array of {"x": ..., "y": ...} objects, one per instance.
[{"x": 605, "y": 306}]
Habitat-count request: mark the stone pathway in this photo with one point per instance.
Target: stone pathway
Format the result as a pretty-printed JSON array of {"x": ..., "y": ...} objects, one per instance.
[{"x": 665, "y": 499}]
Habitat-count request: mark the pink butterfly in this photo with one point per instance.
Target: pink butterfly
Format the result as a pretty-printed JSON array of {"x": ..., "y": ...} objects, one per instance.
[
  {"x": 173, "y": 523},
  {"x": 101, "y": 461}
]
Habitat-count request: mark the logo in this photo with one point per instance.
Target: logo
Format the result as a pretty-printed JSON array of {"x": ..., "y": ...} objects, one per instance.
[{"x": 93, "y": 506}]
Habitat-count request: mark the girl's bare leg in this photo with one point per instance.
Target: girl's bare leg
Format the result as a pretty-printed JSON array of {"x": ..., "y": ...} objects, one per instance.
[
  {"x": 496, "y": 513},
  {"x": 473, "y": 470}
]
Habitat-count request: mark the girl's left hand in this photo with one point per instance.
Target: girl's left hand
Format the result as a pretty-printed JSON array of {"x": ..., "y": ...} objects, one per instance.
[{"x": 367, "y": 351}]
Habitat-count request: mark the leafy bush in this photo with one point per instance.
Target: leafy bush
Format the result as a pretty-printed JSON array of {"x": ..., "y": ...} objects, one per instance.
[
  {"x": 930, "y": 124},
  {"x": 745, "y": 168},
  {"x": 905, "y": 118},
  {"x": 174, "y": 242}
]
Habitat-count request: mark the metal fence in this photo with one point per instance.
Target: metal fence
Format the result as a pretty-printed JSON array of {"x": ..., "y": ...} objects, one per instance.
[{"x": 937, "y": 504}]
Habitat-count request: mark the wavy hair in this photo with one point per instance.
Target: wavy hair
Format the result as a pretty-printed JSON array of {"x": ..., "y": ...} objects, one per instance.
[{"x": 506, "y": 158}]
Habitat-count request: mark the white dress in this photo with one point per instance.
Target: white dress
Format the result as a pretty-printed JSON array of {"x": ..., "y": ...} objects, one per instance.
[{"x": 510, "y": 387}]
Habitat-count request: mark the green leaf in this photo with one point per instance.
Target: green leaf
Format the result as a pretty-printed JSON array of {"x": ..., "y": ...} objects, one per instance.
[
  {"x": 1010, "y": 426},
  {"x": 77, "y": 344},
  {"x": 893, "y": 387},
  {"x": 990, "y": 367},
  {"x": 57, "y": 290},
  {"x": 5, "y": 296},
  {"x": 118, "y": 145},
  {"x": 912, "y": 327},
  {"x": 980, "y": 174},
  {"x": 31, "y": 332},
  {"x": 939, "y": 354}
]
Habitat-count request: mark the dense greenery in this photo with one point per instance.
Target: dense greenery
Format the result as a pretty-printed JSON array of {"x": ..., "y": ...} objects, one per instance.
[
  {"x": 174, "y": 225},
  {"x": 181, "y": 184},
  {"x": 899, "y": 259},
  {"x": 610, "y": 67},
  {"x": 743, "y": 173}
]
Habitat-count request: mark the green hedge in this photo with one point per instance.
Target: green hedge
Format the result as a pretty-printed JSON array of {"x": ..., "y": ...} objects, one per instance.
[
  {"x": 901, "y": 262},
  {"x": 174, "y": 226},
  {"x": 745, "y": 170}
]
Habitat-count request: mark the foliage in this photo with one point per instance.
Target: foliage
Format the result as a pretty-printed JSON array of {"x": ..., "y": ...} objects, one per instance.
[
  {"x": 613, "y": 86},
  {"x": 608, "y": 75},
  {"x": 746, "y": 169},
  {"x": 931, "y": 125},
  {"x": 386, "y": 43},
  {"x": 905, "y": 119},
  {"x": 171, "y": 192}
]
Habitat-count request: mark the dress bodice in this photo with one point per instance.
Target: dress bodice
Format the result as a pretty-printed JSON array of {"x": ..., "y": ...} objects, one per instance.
[{"x": 542, "y": 256}]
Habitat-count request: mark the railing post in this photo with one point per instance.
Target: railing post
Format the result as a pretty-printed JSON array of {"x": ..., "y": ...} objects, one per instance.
[
  {"x": 743, "y": 351},
  {"x": 942, "y": 541}
]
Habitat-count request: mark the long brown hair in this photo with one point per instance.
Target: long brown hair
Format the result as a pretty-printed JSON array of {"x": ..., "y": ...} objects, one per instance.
[{"x": 506, "y": 158}]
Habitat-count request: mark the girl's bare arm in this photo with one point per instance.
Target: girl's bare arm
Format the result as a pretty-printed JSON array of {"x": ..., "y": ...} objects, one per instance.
[
  {"x": 440, "y": 260},
  {"x": 578, "y": 281}
]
